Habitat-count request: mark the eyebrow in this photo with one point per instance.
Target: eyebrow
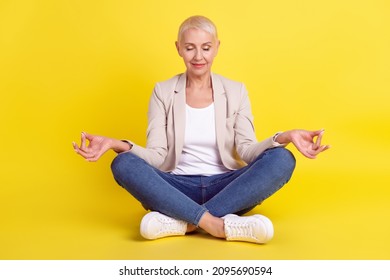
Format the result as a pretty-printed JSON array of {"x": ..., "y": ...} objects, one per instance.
[{"x": 207, "y": 43}]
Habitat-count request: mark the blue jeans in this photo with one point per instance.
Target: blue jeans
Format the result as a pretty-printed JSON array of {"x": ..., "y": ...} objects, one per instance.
[{"x": 188, "y": 197}]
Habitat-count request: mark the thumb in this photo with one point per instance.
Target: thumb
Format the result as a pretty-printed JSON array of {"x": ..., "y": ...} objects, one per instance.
[
  {"x": 87, "y": 135},
  {"x": 317, "y": 132}
]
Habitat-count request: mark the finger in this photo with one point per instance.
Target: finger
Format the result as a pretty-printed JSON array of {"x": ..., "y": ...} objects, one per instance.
[
  {"x": 305, "y": 152},
  {"x": 75, "y": 147},
  {"x": 88, "y": 136},
  {"x": 316, "y": 132},
  {"x": 321, "y": 149},
  {"x": 317, "y": 144},
  {"x": 309, "y": 155},
  {"x": 80, "y": 152},
  {"x": 324, "y": 148},
  {"x": 96, "y": 156},
  {"x": 83, "y": 141},
  {"x": 93, "y": 158}
]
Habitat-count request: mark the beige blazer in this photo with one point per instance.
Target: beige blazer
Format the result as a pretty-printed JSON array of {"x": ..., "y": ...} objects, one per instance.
[{"x": 235, "y": 134}]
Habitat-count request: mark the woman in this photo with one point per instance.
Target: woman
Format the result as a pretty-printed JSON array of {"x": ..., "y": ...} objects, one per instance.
[{"x": 202, "y": 165}]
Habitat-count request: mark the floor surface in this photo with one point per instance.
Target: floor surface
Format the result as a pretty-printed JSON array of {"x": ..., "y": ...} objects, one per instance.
[{"x": 318, "y": 215}]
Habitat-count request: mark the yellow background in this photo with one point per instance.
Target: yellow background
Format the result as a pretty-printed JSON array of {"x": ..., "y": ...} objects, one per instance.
[{"x": 70, "y": 66}]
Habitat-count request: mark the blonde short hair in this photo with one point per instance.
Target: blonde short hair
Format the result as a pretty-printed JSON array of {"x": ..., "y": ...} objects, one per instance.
[{"x": 198, "y": 22}]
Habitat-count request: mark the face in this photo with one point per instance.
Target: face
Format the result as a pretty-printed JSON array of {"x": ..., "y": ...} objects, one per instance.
[{"x": 198, "y": 49}]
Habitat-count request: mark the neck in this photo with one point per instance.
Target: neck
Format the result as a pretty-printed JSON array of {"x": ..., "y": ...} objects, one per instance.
[{"x": 203, "y": 81}]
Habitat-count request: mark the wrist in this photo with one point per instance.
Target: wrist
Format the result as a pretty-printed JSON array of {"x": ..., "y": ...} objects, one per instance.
[
  {"x": 120, "y": 146},
  {"x": 282, "y": 138}
]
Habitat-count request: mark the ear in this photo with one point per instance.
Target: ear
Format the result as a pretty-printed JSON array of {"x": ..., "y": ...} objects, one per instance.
[
  {"x": 177, "y": 47},
  {"x": 218, "y": 43}
]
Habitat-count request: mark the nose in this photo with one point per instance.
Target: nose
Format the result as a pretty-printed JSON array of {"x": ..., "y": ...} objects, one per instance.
[{"x": 198, "y": 55}]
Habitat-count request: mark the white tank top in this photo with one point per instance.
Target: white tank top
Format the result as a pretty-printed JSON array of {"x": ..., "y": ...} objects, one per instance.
[{"x": 200, "y": 155}]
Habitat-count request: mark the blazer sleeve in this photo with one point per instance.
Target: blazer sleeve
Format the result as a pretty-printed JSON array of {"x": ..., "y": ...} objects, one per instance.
[
  {"x": 156, "y": 147},
  {"x": 247, "y": 146}
]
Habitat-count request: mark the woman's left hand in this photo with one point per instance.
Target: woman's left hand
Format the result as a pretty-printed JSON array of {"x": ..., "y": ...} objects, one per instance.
[{"x": 303, "y": 140}]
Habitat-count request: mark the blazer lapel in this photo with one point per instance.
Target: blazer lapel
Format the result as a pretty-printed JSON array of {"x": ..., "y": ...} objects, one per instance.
[
  {"x": 220, "y": 111},
  {"x": 179, "y": 114}
]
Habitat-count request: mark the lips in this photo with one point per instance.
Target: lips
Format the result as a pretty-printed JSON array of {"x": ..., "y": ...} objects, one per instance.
[{"x": 198, "y": 65}]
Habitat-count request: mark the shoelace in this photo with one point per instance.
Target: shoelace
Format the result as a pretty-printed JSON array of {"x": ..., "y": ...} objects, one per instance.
[
  {"x": 240, "y": 229},
  {"x": 170, "y": 225}
]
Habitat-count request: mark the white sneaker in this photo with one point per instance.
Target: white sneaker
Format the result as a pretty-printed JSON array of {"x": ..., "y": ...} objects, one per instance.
[
  {"x": 256, "y": 228},
  {"x": 156, "y": 225}
]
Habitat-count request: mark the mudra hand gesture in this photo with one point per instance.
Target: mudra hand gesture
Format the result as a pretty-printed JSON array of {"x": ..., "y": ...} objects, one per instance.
[
  {"x": 303, "y": 140},
  {"x": 96, "y": 147}
]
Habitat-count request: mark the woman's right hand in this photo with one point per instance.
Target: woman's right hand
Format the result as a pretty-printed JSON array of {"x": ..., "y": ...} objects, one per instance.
[{"x": 96, "y": 147}]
